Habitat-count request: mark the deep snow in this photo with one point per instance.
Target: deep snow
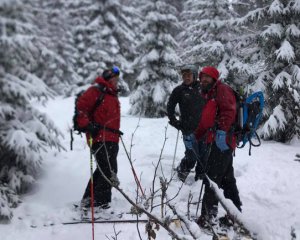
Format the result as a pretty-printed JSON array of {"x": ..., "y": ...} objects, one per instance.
[{"x": 268, "y": 182}]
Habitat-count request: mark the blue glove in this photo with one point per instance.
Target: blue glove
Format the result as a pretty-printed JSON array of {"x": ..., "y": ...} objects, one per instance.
[
  {"x": 221, "y": 140},
  {"x": 189, "y": 141}
]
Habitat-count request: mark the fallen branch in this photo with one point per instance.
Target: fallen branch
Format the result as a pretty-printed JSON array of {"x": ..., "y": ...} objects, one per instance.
[{"x": 229, "y": 207}]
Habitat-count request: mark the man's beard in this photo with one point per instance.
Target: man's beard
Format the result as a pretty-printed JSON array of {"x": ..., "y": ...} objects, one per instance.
[{"x": 207, "y": 87}]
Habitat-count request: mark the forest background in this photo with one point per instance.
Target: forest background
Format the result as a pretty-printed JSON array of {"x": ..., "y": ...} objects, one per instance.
[{"x": 57, "y": 48}]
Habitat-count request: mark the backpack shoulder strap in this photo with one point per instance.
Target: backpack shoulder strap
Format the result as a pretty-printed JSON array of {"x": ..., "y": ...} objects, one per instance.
[{"x": 102, "y": 90}]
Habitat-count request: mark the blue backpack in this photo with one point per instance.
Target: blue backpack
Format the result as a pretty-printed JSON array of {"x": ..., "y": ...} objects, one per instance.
[{"x": 249, "y": 114}]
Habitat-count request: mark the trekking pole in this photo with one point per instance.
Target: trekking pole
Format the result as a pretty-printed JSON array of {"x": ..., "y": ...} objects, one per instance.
[
  {"x": 132, "y": 168},
  {"x": 207, "y": 158},
  {"x": 199, "y": 199},
  {"x": 175, "y": 152},
  {"x": 72, "y": 139},
  {"x": 92, "y": 186}
]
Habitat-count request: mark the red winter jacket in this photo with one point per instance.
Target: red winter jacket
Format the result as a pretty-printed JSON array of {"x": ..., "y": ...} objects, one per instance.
[
  {"x": 219, "y": 112},
  {"x": 106, "y": 114}
]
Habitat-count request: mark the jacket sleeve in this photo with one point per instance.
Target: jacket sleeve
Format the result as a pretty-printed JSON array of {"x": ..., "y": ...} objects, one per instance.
[
  {"x": 173, "y": 101},
  {"x": 226, "y": 103},
  {"x": 207, "y": 119},
  {"x": 85, "y": 105}
]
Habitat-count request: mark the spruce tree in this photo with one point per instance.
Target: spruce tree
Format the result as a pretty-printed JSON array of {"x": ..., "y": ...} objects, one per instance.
[
  {"x": 123, "y": 22},
  {"x": 85, "y": 18},
  {"x": 157, "y": 73},
  {"x": 60, "y": 74},
  {"x": 207, "y": 35},
  {"x": 277, "y": 38},
  {"x": 136, "y": 19},
  {"x": 246, "y": 60},
  {"x": 25, "y": 132},
  {"x": 103, "y": 37}
]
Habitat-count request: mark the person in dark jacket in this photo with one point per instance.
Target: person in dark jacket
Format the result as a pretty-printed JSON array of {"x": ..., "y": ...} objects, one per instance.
[
  {"x": 214, "y": 129},
  {"x": 102, "y": 124},
  {"x": 188, "y": 97}
]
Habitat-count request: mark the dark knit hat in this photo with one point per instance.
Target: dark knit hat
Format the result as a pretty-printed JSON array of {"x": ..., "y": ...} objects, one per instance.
[{"x": 110, "y": 73}]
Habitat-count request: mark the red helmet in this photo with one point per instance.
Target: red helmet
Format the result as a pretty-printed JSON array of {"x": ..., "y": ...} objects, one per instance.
[{"x": 210, "y": 71}]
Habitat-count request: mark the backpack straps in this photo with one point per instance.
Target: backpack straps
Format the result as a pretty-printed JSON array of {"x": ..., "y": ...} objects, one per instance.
[
  {"x": 254, "y": 108},
  {"x": 98, "y": 102},
  {"x": 101, "y": 96}
]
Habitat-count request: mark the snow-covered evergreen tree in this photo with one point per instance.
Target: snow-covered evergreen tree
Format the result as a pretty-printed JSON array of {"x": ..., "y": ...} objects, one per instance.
[
  {"x": 157, "y": 75},
  {"x": 25, "y": 133},
  {"x": 207, "y": 35},
  {"x": 60, "y": 73},
  {"x": 87, "y": 29},
  {"x": 178, "y": 4},
  {"x": 123, "y": 22},
  {"x": 278, "y": 45},
  {"x": 245, "y": 60},
  {"x": 118, "y": 18},
  {"x": 136, "y": 20},
  {"x": 104, "y": 37},
  {"x": 242, "y": 7}
]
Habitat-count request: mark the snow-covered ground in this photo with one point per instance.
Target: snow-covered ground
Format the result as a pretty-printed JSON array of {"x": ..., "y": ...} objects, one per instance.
[{"x": 268, "y": 182}]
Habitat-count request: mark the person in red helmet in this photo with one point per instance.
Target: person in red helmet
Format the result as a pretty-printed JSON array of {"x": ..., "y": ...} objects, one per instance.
[
  {"x": 101, "y": 121},
  {"x": 215, "y": 132}
]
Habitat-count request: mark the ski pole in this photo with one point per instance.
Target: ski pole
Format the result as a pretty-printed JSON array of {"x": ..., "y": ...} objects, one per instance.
[
  {"x": 92, "y": 185},
  {"x": 207, "y": 159},
  {"x": 132, "y": 168},
  {"x": 175, "y": 152},
  {"x": 199, "y": 199},
  {"x": 72, "y": 139}
]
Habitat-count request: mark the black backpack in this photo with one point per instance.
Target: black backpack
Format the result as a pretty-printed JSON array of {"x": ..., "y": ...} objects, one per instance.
[
  {"x": 76, "y": 127},
  {"x": 97, "y": 104}
]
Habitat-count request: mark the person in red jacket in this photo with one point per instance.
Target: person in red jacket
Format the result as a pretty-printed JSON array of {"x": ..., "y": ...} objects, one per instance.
[
  {"x": 101, "y": 122},
  {"x": 215, "y": 131}
]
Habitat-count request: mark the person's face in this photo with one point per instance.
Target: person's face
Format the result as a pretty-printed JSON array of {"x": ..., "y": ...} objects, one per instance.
[
  {"x": 206, "y": 80},
  {"x": 114, "y": 81},
  {"x": 187, "y": 77}
]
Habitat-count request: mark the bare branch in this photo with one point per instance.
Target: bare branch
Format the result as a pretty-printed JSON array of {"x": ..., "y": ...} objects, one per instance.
[
  {"x": 116, "y": 233},
  {"x": 132, "y": 137},
  {"x": 151, "y": 217},
  {"x": 155, "y": 171},
  {"x": 184, "y": 220},
  {"x": 132, "y": 168},
  {"x": 232, "y": 211},
  {"x": 190, "y": 198}
]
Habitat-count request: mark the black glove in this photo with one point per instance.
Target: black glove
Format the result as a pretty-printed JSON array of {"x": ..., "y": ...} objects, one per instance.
[
  {"x": 92, "y": 129},
  {"x": 176, "y": 124}
]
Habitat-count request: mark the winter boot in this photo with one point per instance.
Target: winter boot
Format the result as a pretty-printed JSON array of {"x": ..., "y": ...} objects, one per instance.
[
  {"x": 181, "y": 174},
  {"x": 206, "y": 222},
  {"x": 85, "y": 203},
  {"x": 105, "y": 206},
  {"x": 226, "y": 221}
]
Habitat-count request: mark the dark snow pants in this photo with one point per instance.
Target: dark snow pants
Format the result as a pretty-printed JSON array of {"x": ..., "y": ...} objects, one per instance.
[
  {"x": 190, "y": 155},
  {"x": 197, "y": 155},
  {"x": 220, "y": 170},
  {"x": 106, "y": 157}
]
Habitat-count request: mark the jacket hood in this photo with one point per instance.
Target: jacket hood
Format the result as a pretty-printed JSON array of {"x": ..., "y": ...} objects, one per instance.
[
  {"x": 102, "y": 81},
  {"x": 210, "y": 71}
]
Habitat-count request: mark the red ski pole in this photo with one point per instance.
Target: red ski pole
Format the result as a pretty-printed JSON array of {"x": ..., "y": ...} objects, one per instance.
[{"x": 132, "y": 168}]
